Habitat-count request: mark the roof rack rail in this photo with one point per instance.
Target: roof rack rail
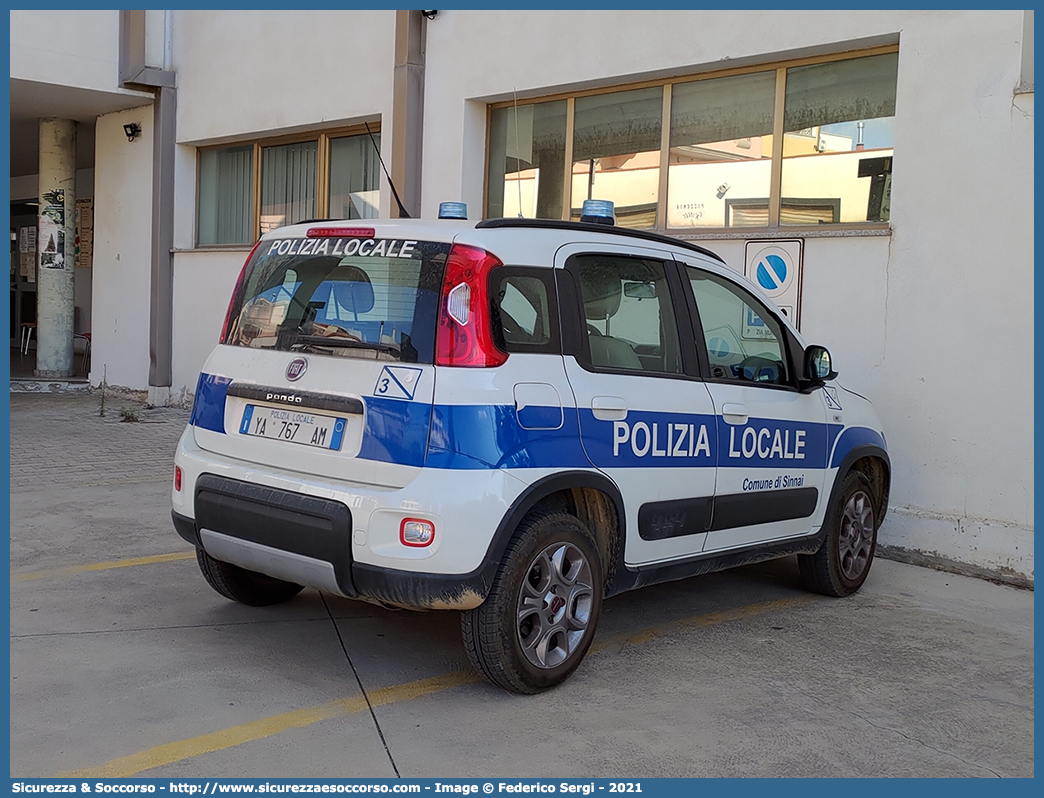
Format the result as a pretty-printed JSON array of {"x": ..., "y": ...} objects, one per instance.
[{"x": 560, "y": 224}]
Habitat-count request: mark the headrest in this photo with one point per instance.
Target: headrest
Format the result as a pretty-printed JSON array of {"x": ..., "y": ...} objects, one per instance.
[
  {"x": 602, "y": 292},
  {"x": 352, "y": 289}
]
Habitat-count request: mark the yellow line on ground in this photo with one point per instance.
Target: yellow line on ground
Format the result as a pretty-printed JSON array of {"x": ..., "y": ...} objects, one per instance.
[
  {"x": 266, "y": 727},
  {"x": 102, "y": 566}
]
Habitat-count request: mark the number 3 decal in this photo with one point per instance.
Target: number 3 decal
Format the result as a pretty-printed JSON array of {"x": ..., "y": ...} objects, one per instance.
[{"x": 397, "y": 382}]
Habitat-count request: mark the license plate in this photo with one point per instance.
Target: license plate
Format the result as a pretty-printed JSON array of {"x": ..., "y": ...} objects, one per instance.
[{"x": 296, "y": 426}]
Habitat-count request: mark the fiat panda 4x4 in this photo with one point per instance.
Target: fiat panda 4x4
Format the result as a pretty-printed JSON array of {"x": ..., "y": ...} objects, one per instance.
[{"x": 515, "y": 419}]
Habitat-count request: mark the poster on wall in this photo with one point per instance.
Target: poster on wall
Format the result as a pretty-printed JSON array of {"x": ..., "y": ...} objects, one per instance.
[{"x": 52, "y": 229}]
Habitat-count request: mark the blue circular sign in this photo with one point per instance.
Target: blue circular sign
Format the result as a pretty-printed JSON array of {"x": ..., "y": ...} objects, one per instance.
[
  {"x": 772, "y": 273},
  {"x": 718, "y": 347}
]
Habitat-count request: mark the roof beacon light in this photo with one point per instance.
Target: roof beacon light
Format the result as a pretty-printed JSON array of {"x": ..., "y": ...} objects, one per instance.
[
  {"x": 597, "y": 212},
  {"x": 453, "y": 210}
]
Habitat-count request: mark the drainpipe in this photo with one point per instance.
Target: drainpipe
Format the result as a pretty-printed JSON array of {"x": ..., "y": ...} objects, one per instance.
[
  {"x": 134, "y": 74},
  {"x": 408, "y": 109}
]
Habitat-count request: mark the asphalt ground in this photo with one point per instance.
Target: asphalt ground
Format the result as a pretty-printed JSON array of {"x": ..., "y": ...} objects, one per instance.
[{"x": 124, "y": 662}]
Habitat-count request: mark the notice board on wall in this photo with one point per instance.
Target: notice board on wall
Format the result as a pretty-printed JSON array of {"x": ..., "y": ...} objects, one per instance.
[{"x": 84, "y": 233}]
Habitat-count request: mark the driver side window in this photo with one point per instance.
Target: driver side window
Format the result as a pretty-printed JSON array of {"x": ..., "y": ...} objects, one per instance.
[{"x": 744, "y": 342}]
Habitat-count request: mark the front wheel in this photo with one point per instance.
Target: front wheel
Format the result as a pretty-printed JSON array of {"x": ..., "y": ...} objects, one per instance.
[
  {"x": 840, "y": 566},
  {"x": 539, "y": 619}
]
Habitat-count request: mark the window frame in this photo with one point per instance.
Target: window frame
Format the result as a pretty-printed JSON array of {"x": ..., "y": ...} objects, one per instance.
[
  {"x": 322, "y": 181},
  {"x": 776, "y": 165}
]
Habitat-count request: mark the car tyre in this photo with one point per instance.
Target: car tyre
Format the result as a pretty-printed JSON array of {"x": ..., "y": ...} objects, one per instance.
[
  {"x": 840, "y": 566},
  {"x": 246, "y": 587},
  {"x": 539, "y": 618}
]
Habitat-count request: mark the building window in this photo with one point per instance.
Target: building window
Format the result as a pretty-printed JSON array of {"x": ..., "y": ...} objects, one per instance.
[
  {"x": 527, "y": 160},
  {"x": 793, "y": 144},
  {"x": 616, "y": 153},
  {"x": 248, "y": 189},
  {"x": 838, "y": 136},
  {"x": 226, "y": 195},
  {"x": 288, "y": 182},
  {"x": 721, "y": 144}
]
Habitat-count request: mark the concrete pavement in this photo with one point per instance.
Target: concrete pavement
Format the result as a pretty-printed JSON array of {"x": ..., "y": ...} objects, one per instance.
[{"x": 124, "y": 662}]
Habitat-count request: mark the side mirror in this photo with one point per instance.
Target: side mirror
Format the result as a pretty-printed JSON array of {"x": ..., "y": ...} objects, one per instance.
[{"x": 818, "y": 367}]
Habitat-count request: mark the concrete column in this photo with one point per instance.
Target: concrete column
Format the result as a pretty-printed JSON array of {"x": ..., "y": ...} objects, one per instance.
[{"x": 56, "y": 249}]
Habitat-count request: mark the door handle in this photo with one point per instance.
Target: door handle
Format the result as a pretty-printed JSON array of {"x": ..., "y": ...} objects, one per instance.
[
  {"x": 609, "y": 408},
  {"x": 733, "y": 413}
]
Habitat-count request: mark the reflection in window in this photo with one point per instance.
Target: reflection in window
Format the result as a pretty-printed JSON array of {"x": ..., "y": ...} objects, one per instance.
[
  {"x": 838, "y": 140},
  {"x": 527, "y": 160},
  {"x": 288, "y": 175},
  {"x": 744, "y": 342},
  {"x": 522, "y": 315},
  {"x": 226, "y": 194},
  {"x": 721, "y": 150},
  {"x": 354, "y": 178},
  {"x": 616, "y": 153}
]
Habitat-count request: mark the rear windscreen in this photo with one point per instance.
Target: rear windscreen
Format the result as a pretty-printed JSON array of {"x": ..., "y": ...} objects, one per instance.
[{"x": 343, "y": 297}]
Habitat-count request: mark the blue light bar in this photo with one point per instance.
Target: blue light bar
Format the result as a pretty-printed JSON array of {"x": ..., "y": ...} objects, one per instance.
[
  {"x": 598, "y": 212},
  {"x": 453, "y": 210}
]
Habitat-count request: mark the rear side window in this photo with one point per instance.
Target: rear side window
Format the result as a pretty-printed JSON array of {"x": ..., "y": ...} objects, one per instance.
[
  {"x": 524, "y": 310},
  {"x": 343, "y": 297},
  {"x": 629, "y": 315}
]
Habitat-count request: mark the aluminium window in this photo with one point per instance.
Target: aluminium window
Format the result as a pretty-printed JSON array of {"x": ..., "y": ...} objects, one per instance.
[
  {"x": 245, "y": 190},
  {"x": 802, "y": 143}
]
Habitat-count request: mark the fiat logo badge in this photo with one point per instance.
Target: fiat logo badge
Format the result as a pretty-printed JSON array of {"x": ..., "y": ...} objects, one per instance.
[{"x": 297, "y": 367}]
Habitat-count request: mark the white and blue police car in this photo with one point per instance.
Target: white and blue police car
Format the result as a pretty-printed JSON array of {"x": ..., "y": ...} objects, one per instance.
[{"x": 516, "y": 419}]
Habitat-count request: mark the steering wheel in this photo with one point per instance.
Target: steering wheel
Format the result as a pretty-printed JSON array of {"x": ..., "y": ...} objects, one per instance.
[{"x": 759, "y": 369}]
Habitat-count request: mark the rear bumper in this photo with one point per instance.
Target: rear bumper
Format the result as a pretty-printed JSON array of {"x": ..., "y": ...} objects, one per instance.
[{"x": 307, "y": 540}]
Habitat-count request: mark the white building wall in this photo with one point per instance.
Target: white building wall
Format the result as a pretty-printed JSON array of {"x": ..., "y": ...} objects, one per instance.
[
  {"x": 203, "y": 283},
  {"x": 263, "y": 73},
  {"x": 122, "y": 250},
  {"x": 67, "y": 49}
]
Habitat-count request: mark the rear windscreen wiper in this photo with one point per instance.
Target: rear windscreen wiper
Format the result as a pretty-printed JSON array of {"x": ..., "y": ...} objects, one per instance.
[{"x": 334, "y": 341}]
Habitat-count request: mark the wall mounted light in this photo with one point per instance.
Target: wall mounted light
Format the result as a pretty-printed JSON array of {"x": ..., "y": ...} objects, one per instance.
[{"x": 133, "y": 130}]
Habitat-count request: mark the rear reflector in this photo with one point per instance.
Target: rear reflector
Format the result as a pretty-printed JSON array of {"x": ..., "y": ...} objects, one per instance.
[
  {"x": 177, "y": 478},
  {"x": 340, "y": 232}
]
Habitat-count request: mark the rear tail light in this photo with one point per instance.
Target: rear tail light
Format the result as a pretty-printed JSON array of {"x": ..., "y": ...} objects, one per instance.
[
  {"x": 177, "y": 478},
  {"x": 465, "y": 337},
  {"x": 416, "y": 532},
  {"x": 235, "y": 293}
]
